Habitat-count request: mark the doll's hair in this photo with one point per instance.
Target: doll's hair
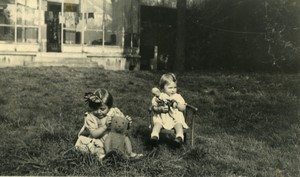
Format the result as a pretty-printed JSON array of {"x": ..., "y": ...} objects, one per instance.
[
  {"x": 166, "y": 79},
  {"x": 98, "y": 97}
]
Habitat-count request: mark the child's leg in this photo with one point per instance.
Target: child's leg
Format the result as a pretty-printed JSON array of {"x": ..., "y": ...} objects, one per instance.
[
  {"x": 156, "y": 130},
  {"x": 179, "y": 130}
]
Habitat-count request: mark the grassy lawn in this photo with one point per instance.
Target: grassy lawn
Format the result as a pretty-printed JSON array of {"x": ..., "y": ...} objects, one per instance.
[{"x": 247, "y": 124}]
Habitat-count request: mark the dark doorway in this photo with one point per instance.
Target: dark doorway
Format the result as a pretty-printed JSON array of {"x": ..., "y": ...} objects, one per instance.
[
  {"x": 147, "y": 53},
  {"x": 158, "y": 28},
  {"x": 53, "y": 27}
]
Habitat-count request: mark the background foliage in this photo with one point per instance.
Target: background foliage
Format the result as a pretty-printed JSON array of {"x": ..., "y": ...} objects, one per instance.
[{"x": 244, "y": 35}]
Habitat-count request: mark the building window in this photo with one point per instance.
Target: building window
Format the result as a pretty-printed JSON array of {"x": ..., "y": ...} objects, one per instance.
[
  {"x": 98, "y": 20},
  {"x": 19, "y": 21},
  {"x": 27, "y": 34},
  {"x": 7, "y": 33},
  {"x": 27, "y": 21},
  {"x": 7, "y": 20},
  {"x": 72, "y": 29}
]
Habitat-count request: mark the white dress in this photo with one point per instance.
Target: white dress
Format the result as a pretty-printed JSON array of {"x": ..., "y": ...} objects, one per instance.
[
  {"x": 174, "y": 116},
  {"x": 88, "y": 144}
]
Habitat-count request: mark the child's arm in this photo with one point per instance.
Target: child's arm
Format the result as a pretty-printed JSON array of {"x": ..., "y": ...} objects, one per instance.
[
  {"x": 181, "y": 107},
  {"x": 129, "y": 119},
  {"x": 179, "y": 103},
  {"x": 98, "y": 132},
  {"x": 160, "y": 109}
]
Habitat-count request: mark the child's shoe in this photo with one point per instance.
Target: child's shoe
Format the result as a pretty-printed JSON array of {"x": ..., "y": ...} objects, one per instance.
[
  {"x": 178, "y": 140},
  {"x": 154, "y": 141},
  {"x": 154, "y": 138}
]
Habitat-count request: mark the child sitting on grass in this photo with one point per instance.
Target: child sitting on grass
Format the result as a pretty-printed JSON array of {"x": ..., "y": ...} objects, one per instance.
[
  {"x": 168, "y": 115},
  {"x": 97, "y": 122}
]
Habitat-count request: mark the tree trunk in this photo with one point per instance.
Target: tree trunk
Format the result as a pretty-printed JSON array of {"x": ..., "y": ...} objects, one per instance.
[{"x": 180, "y": 36}]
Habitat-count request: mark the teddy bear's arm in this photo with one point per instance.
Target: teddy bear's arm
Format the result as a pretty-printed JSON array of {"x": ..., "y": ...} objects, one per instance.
[{"x": 107, "y": 144}]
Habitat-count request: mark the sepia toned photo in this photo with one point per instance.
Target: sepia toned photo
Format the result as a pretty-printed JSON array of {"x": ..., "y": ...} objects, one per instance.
[{"x": 150, "y": 88}]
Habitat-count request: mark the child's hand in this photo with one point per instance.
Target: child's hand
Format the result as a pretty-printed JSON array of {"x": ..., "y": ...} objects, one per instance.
[
  {"x": 108, "y": 121},
  {"x": 181, "y": 107},
  {"x": 174, "y": 103},
  {"x": 129, "y": 119},
  {"x": 163, "y": 109}
]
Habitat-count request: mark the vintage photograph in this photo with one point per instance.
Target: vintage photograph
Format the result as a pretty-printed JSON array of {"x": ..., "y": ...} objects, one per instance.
[{"x": 148, "y": 88}]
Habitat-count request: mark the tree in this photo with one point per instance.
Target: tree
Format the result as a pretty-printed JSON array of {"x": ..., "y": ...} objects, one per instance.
[
  {"x": 248, "y": 35},
  {"x": 180, "y": 36}
]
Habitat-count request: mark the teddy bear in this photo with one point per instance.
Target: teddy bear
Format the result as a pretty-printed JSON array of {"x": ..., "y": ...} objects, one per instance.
[{"x": 115, "y": 141}]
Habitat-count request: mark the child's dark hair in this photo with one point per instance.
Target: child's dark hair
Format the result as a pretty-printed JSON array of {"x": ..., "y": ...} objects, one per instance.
[
  {"x": 100, "y": 96},
  {"x": 167, "y": 78}
]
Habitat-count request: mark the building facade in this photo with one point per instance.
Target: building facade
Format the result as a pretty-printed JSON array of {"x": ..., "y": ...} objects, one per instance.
[{"x": 105, "y": 32}]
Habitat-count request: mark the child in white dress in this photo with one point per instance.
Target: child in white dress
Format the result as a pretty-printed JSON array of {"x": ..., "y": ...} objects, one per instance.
[
  {"x": 97, "y": 124},
  {"x": 168, "y": 109}
]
